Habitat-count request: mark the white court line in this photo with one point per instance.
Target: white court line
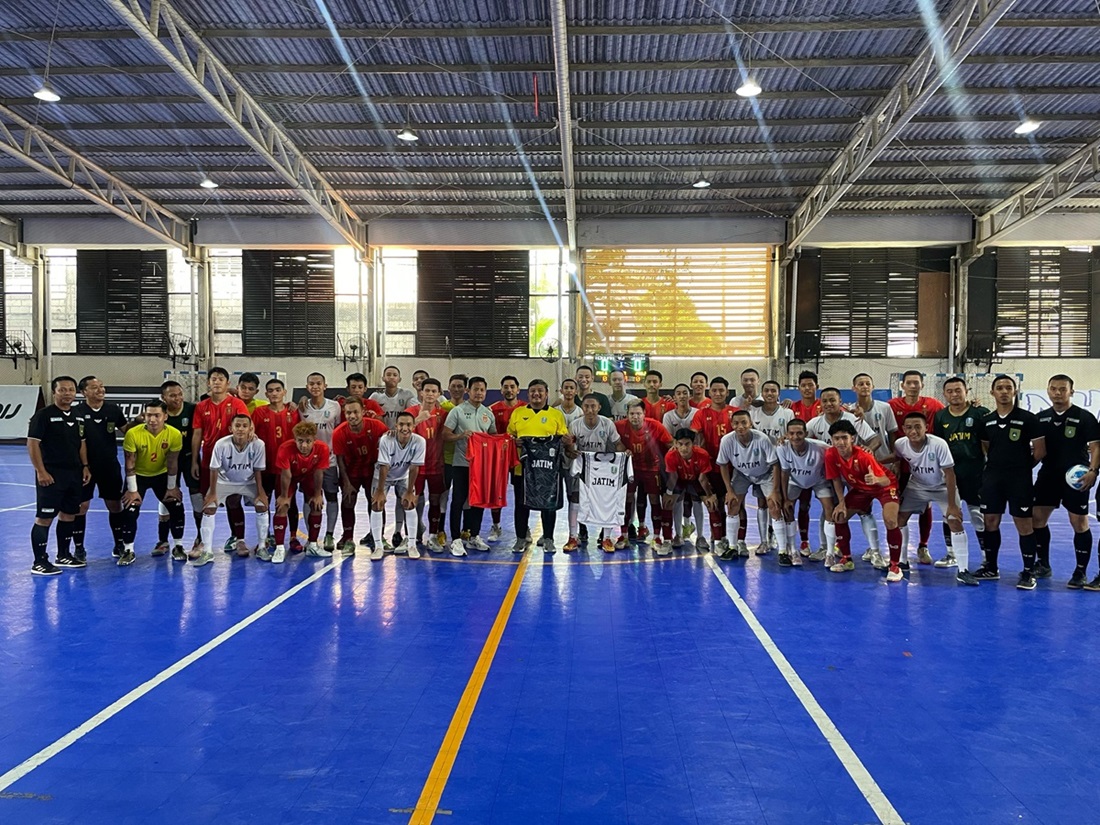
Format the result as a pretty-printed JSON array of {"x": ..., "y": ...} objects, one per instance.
[
  {"x": 866, "y": 784},
  {"x": 73, "y": 736}
]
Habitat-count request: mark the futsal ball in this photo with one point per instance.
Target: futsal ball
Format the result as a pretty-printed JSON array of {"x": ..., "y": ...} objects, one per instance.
[{"x": 1075, "y": 476}]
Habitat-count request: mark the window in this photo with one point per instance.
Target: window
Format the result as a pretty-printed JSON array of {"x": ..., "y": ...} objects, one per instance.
[
  {"x": 399, "y": 288},
  {"x": 121, "y": 302},
  {"x": 61, "y": 274},
  {"x": 180, "y": 301},
  {"x": 289, "y": 303},
  {"x": 352, "y": 305},
  {"x": 1044, "y": 302},
  {"x": 549, "y": 303},
  {"x": 869, "y": 302},
  {"x": 707, "y": 302},
  {"x": 473, "y": 304},
  {"x": 226, "y": 297},
  {"x": 16, "y": 304}
]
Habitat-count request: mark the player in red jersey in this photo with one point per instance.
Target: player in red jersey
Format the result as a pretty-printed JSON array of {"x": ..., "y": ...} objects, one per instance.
[
  {"x": 687, "y": 470},
  {"x": 867, "y": 481},
  {"x": 355, "y": 443},
  {"x": 910, "y": 401},
  {"x": 213, "y": 416},
  {"x": 655, "y": 404},
  {"x": 647, "y": 441},
  {"x": 301, "y": 462},
  {"x": 502, "y": 413},
  {"x": 274, "y": 425},
  {"x": 698, "y": 385},
  {"x": 807, "y": 408},
  {"x": 428, "y": 417},
  {"x": 357, "y": 388},
  {"x": 713, "y": 422}
]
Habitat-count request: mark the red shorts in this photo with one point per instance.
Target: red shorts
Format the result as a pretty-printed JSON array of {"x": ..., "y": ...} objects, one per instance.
[
  {"x": 860, "y": 501},
  {"x": 204, "y": 475},
  {"x": 648, "y": 481},
  {"x": 435, "y": 482},
  {"x": 306, "y": 486}
]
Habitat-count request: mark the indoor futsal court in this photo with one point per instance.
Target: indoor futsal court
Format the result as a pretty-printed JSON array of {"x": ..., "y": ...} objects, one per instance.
[{"x": 590, "y": 688}]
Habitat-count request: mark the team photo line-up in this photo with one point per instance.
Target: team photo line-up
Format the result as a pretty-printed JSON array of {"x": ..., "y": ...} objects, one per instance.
[{"x": 691, "y": 459}]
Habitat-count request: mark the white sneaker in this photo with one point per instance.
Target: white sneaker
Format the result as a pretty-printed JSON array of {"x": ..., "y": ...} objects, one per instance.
[
  {"x": 796, "y": 559},
  {"x": 947, "y": 561},
  {"x": 868, "y": 555},
  {"x": 877, "y": 561},
  {"x": 458, "y": 548},
  {"x": 316, "y": 550},
  {"x": 279, "y": 556},
  {"x": 402, "y": 547},
  {"x": 721, "y": 546},
  {"x": 377, "y": 553},
  {"x": 762, "y": 549},
  {"x": 477, "y": 543},
  {"x": 495, "y": 533},
  {"x": 830, "y": 558},
  {"x": 894, "y": 576},
  {"x": 205, "y": 557},
  {"x": 742, "y": 549},
  {"x": 433, "y": 544},
  {"x": 663, "y": 548},
  {"x": 414, "y": 551},
  {"x": 818, "y": 555}
]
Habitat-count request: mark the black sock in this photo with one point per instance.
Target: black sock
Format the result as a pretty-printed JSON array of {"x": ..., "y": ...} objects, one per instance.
[
  {"x": 162, "y": 530},
  {"x": 118, "y": 525},
  {"x": 946, "y": 534},
  {"x": 1042, "y": 544},
  {"x": 992, "y": 547},
  {"x": 1082, "y": 547},
  {"x": 79, "y": 523},
  {"x": 40, "y": 540},
  {"x": 64, "y": 537},
  {"x": 1027, "y": 550}
]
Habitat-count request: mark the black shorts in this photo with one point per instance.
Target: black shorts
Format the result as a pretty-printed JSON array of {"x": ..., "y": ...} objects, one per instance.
[
  {"x": 186, "y": 479},
  {"x": 690, "y": 490},
  {"x": 1012, "y": 488},
  {"x": 158, "y": 484},
  {"x": 448, "y": 476},
  {"x": 107, "y": 478},
  {"x": 63, "y": 496},
  {"x": 1051, "y": 490},
  {"x": 970, "y": 487}
]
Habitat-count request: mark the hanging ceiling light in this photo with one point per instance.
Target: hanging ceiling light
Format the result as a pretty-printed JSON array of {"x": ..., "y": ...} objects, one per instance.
[
  {"x": 701, "y": 183},
  {"x": 47, "y": 94},
  {"x": 208, "y": 184},
  {"x": 750, "y": 88},
  {"x": 1027, "y": 126},
  {"x": 408, "y": 135}
]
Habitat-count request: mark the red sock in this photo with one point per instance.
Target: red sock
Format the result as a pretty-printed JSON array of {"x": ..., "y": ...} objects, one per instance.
[
  {"x": 844, "y": 540},
  {"x": 235, "y": 514},
  {"x": 925, "y": 525},
  {"x": 717, "y": 523},
  {"x": 280, "y": 530},
  {"x": 666, "y": 523},
  {"x": 435, "y": 517},
  {"x": 893, "y": 541},
  {"x": 347, "y": 519},
  {"x": 313, "y": 522}
]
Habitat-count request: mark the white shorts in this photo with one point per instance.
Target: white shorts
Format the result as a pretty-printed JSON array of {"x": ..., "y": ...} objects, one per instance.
[
  {"x": 915, "y": 499},
  {"x": 821, "y": 491},
  {"x": 741, "y": 486},
  {"x": 246, "y": 491}
]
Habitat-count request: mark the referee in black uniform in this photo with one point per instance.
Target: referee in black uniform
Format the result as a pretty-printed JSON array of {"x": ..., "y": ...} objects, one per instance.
[
  {"x": 1013, "y": 443},
  {"x": 55, "y": 442},
  {"x": 103, "y": 422}
]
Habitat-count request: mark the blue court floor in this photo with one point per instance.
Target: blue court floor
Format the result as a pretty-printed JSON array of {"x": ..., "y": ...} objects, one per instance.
[{"x": 624, "y": 688}]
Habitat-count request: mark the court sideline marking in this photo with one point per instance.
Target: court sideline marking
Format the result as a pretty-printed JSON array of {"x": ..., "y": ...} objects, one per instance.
[
  {"x": 77, "y": 733},
  {"x": 866, "y": 784},
  {"x": 428, "y": 803}
]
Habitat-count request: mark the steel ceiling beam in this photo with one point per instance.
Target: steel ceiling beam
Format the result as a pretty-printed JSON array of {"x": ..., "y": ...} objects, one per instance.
[
  {"x": 967, "y": 23},
  {"x": 33, "y": 147},
  {"x": 560, "y": 44},
  {"x": 186, "y": 52}
]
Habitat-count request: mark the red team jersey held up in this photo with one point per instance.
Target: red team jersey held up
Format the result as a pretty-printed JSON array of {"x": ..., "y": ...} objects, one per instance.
[
  {"x": 359, "y": 449},
  {"x": 274, "y": 429},
  {"x": 491, "y": 458},
  {"x": 302, "y": 467},
  {"x": 371, "y": 408},
  {"x": 646, "y": 446},
  {"x": 928, "y": 407},
  {"x": 688, "y": 471},
  {"x": 214, "y": 420},
  {"x": 431, "y": 429},
  {"x": 713, "y": 424},
  {"x": 657, "y": 411},
  {"x": 801, "y": 410}
]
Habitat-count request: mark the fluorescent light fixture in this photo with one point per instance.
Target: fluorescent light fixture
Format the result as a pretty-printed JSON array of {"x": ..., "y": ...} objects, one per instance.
[
  {"x": 47, "y": 94},
  {"x": 1027, "y": 126},
  {"x": 208, "y": 184},
  {"x": 702, "y": 183},
  {"x": 408, "y": 135},
  {"x": 750, "y": 88}
]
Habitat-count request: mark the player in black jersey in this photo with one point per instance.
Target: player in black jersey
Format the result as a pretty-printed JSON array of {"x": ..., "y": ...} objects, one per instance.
[
  {"x": 55, "y": 442},
  {"x": 1072, "y": 437},
  {"x": 181, "y": 415},
  {"x": 1013, "y": 443},
  {"x": 960, "y": 425},
  {"x": 104, "y": 422}
]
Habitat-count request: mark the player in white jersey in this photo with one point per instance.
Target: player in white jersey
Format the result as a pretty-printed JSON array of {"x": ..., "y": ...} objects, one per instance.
[
  {"x": 568, "y": 405},
  {"x": 676, "y": 419},
  {"x": 831, "y": 412},
  {"x": 326, "y": 414},
  {"x": 393, "y": 399},
  {"x": 802, "y": 467},
  {"x": 770, "y": 418},
  {"x": 747, "y": 460},
  {"x": 602, "y": 480},
  {"x": 932, "y": 480},
  {"x": 591, "y": 433},
  {"x": 621, "y": 400},
  {"x": 237, "y": 463},
  {"x": 400, "y": 456},
  {"x": 877, "y": 414}
]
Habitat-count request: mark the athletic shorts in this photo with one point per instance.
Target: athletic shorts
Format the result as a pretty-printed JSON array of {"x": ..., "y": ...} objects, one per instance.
[
  {"x": 398, "y": 487},
  {"x": 357, "y": 483},
  {"x": 107, "y": 478},
  {"x": 690, "y": 490},
  {"x": 434, "y": 482},
  {"x": 158, "y": 484},
  {"x": 916, "y": 499},
  {"x": 860, "y": 501},
  {"x": 649, "y": 482},
  {"x": 330, "y": 483},
  {"x": 1012, "y": 488},
  {"x": 1051, "y": 490},
  {"x": 63, "y": 496},
  {"x": 821, "y": 491},
  {"x": 305, "y": 484},
  {"x": 204, "y": 475},
  {"x": 741, "y": 485},
  {"x": 247, "y": 492},
  {"x": 970, "y": 487}
]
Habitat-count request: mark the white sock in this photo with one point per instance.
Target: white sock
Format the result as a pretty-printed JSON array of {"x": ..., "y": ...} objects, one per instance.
[
  {"x": 574, "y": 516},
  {"x": 161, "y": 509},
  {"x": 678, "y": 516},
  {"x": 977, "y": 521},
  {"x": 870, "y": 530},
  {"x": 733, "y": 524},
  {"x": 700, "y": 517},
  {"x": 830, "y": 537},
  {"x": 208, "y": 530},
  {"x": 762, "y": 523},
  {"x": 780, "y": 530},
  {"x": 376, "y": 525},
  {"x": 444, "y": 501},
  {"x": 792, "y": 535},
  {"x": 960, "y": 546},
  {"x": 823, "y": 533},
  {"x": 261, "y": 526},
  {"x": 332, "y": 513}
]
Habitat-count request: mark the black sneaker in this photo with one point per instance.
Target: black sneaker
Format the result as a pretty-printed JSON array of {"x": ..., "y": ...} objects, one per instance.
[
  {"x": 966, "y": 577},
  {"x": 80, "y": 554},
  {"x": 44, "y": 567},
  {"x": 1026, "y": 580},
  {"x": 117, "y": 550},
  {"x": 984, "y": 573},
  {"x": 70, "y": 561},
  {"x": 729, "y": 553},
  {"x": 582, "y": 534},
  {"x": 367, "y": 540},
  {"x": 1094, "y": 585},
  {"x": 903, "y": 564},
  {"x": 1041, "y": 571},
  {"x": 1077, "y": 581},
  {"x": 178, "y": 553},
  {"x": 784, "y": 559},
  {"x": 632, "y": 533}
]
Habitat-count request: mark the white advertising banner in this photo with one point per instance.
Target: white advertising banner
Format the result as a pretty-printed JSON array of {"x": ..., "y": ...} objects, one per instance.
[{"x": 18, "y": 403}]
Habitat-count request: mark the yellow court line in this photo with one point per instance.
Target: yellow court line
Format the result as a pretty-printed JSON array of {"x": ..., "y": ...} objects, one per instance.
[{"x": 432, "y": 792}]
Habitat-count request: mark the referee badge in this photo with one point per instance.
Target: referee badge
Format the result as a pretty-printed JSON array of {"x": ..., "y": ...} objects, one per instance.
[
  {"x": 1014, "y": 434},
  {"x": 1071, "y": 432},
  {"x": 110, "y": 426}
]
